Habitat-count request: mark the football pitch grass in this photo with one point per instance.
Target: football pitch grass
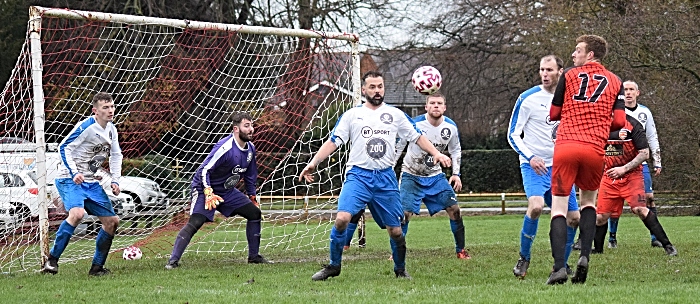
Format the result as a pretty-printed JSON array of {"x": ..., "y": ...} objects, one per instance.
[{"x": 633, "y": 273}]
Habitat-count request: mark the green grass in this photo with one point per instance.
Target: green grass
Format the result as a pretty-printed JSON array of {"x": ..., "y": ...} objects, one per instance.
[{"x": 633, "y": 273}]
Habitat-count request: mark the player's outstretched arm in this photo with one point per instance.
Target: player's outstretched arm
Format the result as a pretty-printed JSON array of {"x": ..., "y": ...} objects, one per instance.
[
  {"x": 425, "y": 144},
  {"x": 325, "y": 150}
]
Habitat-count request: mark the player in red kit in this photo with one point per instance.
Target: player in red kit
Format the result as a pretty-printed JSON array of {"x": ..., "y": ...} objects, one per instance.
[
  {"x": 589, "y": 101},
  {"x": 623, "y": 180}
]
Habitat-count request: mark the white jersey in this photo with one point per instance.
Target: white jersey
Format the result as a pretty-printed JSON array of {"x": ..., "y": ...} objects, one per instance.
[
  {"x": 530, "y": 119},
  {"x": 643, "y": 115},
  {"x": 372, "y": 135},
  {"x": 85, "y": 149},
  {"x": 444, "y": 137}
]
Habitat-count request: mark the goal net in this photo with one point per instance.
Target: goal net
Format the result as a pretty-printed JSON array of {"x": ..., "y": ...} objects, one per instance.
[{"x": 175, "y": 84}]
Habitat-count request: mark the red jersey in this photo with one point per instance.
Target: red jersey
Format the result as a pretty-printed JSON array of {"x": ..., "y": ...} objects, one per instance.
[
  {"x": 623, "y": 145},
  {"x": 587, "y": 95}
]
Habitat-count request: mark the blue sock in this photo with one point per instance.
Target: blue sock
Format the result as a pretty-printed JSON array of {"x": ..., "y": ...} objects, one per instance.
[
  {"x": 252, "y": 233},
  {"x": 337, "y": 242},
  {"x": 63, "y": 235},
  {"x": 612, "y": 224},
  {"x": 527, "y": 236},
  {"x": 457, "y": 227},
  {"x": 392, "y": 243},
  {"x": 102, "y": 245},
  {"x": 350, "y": 232},
  {"x": 612, "y": 228},
  {"x": 398, "y": 252},
  {"x": 570, "y": 235}
]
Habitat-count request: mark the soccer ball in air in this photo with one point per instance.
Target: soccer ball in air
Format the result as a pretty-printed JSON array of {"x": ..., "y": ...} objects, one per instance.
[
  {"x": 132, "y": 253},
  {"x": 426, "y": 80}
]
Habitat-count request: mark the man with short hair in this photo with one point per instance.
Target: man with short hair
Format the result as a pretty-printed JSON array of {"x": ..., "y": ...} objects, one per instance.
[
  {"x": 214, "y": 189},
  {"x": 643, "y": 115},
  {"x": 589, "y": 101},
  {"x": 83, "y": 152},
  {"x": 371, "y": 130},
  {"x": 623, "y": 181},
  {"x": 532, "y": 135},
  {"x": 422, "y": 178}
]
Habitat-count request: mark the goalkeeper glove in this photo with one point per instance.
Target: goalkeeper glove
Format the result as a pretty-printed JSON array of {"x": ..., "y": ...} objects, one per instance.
[
  {"x": 253, "y": 199},
  {"x": 211, "y": 200}
]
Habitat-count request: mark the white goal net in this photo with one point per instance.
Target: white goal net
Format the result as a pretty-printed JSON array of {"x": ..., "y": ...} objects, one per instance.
[{"x": 175, "y": 83}]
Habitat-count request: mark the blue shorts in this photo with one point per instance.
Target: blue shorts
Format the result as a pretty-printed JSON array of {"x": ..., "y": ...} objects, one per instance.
[
  {"x": 647, "y": 179},
  {"x": 378, "y": 189},
  {"x": 233, "y": 199},
  {"x": 89, "y": 196},
  {"x": 541, "y": 185},
  {"x": 435, "y": 192}
]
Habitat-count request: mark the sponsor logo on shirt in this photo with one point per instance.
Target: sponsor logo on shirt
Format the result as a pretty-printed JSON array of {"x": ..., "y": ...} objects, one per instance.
[
  {"x": 613, "y": 150},
  {"x": 386, "y": 118},
  {"x": 368, "y": 132},
  {"x": 642, "y": 117},
  {"x": 445, "y": 133}
]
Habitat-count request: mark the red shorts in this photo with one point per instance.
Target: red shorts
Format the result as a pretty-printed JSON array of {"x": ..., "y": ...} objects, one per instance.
[
  {"x": 614, "y": 192},
  {"x": 579, "y": 163}
]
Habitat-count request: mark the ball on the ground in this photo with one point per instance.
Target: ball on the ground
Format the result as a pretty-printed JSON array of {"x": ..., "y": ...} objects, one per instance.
[
  {"x": 426, "y": 80},
  {"x": 132, "y": 253}
]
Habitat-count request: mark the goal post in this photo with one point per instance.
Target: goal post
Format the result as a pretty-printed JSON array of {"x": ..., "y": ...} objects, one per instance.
[{"x": 175, "y": 83}]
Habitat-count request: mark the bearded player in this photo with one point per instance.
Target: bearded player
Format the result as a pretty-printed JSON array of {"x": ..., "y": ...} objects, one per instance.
[
  {"x": 422, "y": 178},
  {"x": 214, "y": 189}
]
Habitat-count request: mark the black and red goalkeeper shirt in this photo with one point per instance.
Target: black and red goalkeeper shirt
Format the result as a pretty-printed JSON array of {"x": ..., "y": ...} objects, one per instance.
[
  {"x": 587, "y": 95},
  {"x": 624, "y": 145}
]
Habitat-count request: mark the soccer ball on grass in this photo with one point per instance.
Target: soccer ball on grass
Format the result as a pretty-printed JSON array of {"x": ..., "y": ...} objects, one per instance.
[
  {"x": 132, "y": 253},
  {"x": 426, "y": 80}
]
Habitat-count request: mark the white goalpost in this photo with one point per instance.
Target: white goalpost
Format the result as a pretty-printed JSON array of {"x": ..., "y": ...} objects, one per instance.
[{"x": 175, "y": 83}]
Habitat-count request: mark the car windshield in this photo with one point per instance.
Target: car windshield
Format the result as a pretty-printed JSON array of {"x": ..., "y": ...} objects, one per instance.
[{"x": 32, "y": 175}]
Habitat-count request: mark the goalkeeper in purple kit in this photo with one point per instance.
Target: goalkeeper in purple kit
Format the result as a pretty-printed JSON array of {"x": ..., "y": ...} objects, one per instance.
[{"x": 214, "y": 188}]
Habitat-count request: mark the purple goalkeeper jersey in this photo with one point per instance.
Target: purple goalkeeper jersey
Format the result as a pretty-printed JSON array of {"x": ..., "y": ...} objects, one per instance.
[{"x": 223, "y": 167}]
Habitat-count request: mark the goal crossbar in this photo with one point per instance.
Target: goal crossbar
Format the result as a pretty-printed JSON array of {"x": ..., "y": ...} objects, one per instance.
[{"x": 38, "y": 11}]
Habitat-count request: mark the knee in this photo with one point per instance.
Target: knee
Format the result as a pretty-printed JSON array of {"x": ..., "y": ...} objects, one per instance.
[
  {"x": 640, "y": 211},
  {"x": 75, "y": 216},
  {"x": 572, "y": 222},
  {"x": 572, "y": 218},
  {"x": 650, "y": 199},
  {"x": 535, "y": 212},
  {"x": 601, "y": 220},
  {"x": 197, "y": 220},
  {"x": 342, "y": 220},
  {"x": 256, "y": 215},
  {"x": 110, "y": 224},
  {"x": 454, "y": 212},
  {"x": 395, "y": 232}
]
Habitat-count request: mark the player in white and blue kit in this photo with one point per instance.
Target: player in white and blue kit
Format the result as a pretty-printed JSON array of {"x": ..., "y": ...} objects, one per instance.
[
  {"x": 643, "y": 115},
  {"x": 423, "y": 180},
  {"x": 83, "y": 151},
  {"x": 371, "y": 130},
  {"x": 532, "y": 135},
  {"x": 214, "y": 188}
]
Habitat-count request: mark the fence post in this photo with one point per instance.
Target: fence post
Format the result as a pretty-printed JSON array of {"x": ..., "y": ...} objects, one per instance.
[{"x": 503, "y": 203}]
